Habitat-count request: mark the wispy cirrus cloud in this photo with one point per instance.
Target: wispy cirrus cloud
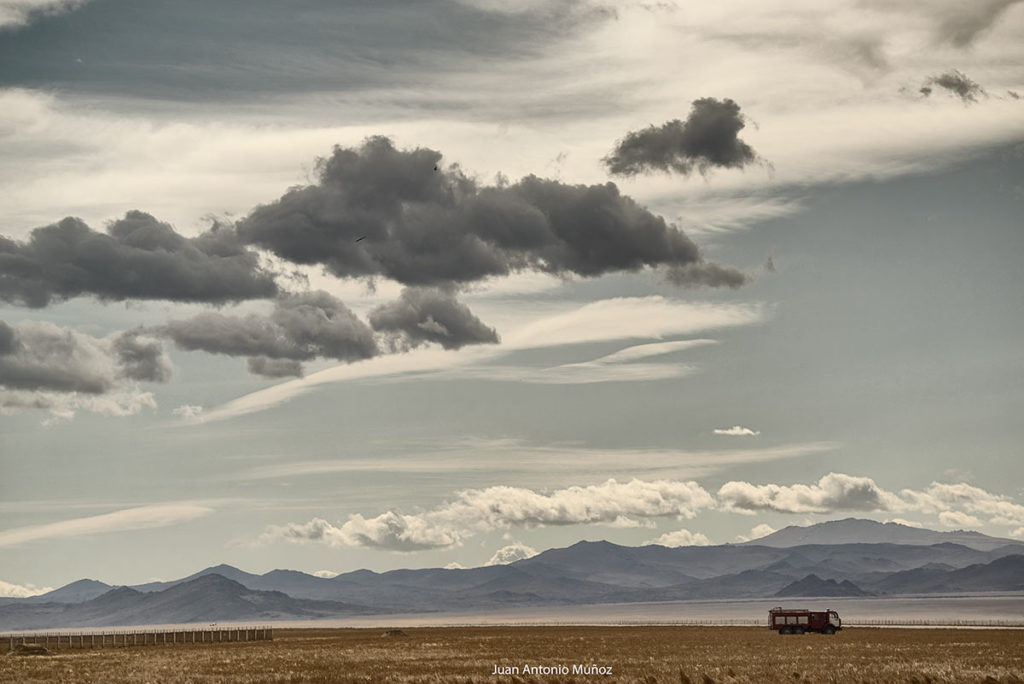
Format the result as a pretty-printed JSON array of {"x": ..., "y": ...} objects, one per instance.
[
  {"x": 622, "y": 318},
  {"x": 620, "y": 366},
  {"x": 552, "y": 463},
  {"x": 632, "y": 318},
  {"x": 138, "y": 518}
]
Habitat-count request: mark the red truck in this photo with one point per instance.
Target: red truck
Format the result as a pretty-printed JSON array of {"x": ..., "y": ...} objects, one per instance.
[{"x": 800, "y": 620}]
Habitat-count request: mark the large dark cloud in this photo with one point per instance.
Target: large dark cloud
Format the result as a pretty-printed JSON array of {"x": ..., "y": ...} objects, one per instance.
[
  {"x": 40, "y": 356},
  {"x": 705, "y": 273},
  {"x": 380, "y": 211},
  {"x": 137, "y": 258},
  {"x": 708, "y": 138},
  {"x": 955, "y": 82},
  {"x": 422, "y": 315},
  {"x": 301, "y": 327}
]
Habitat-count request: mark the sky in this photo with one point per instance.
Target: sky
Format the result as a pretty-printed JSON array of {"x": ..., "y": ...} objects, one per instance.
[{"x": 331, "y": 285}]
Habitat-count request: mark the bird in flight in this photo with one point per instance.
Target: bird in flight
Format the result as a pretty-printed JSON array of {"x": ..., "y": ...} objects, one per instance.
[{"x": 361, "y": 237}]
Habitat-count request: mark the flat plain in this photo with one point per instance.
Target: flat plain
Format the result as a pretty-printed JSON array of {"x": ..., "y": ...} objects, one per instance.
[{"x": 650, "y": 654}]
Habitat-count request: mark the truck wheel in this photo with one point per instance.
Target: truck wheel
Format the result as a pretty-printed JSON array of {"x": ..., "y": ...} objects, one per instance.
[
  {"x": 799, "y": 630},
  {"x": 828, "y": 630}
]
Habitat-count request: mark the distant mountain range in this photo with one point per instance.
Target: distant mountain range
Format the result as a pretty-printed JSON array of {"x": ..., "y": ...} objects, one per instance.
[
  {"x": 211, "y": 597},
  {"x": 856, "y": 531},
  {"x": 796, "y": 561}
]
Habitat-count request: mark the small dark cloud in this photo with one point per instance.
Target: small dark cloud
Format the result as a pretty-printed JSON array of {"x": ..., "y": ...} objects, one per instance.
[
  {"x": 955, "y": 82},
  {"x": 142, "y": 357},
  {"x": 301, "y": 327},
  {"x": 7, "y": 345},
  {"x": 137, "y": 258},
  {"x": 274, "y": 368},
  {"x": 439, "y": 228},
  {"x": 705, "y": 273},
  {"x": 40, "y": 356},
  {"x": 708, "y": 138},
  {"x": 422, "y": 315}
]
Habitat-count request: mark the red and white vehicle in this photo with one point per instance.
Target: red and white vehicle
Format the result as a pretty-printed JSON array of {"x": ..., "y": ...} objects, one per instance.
[{"x": 800, "y": 620}]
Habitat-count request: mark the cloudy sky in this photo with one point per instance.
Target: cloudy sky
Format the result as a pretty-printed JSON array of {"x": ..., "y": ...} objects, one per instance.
[{"x": 328, "y": 285}]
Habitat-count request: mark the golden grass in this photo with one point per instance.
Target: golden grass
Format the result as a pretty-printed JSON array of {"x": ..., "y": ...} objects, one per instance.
[{"x": 655, "y": 654}]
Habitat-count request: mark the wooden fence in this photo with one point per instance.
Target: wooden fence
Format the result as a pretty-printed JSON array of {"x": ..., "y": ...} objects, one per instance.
[{"x": 136, "y": 637}]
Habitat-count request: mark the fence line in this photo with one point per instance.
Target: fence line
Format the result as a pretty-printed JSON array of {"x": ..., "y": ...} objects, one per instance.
[
  {"x": 124, "y": 637},
  {"x": 753, "y": 622},
  {"x": 929, "y": 622},
  {"x": 851, "y": 622}
]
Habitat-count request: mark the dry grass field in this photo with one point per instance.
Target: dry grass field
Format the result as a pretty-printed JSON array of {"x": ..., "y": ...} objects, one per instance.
[{"x": 470, "y": 654}]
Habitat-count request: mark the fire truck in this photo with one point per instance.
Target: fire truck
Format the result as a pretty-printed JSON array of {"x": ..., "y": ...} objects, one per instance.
[{"x": 800, "y": 620}]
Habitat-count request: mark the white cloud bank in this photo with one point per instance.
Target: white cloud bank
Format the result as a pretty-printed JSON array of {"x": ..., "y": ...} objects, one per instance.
[
  {"x": 325, "y": 574},
  {"x": 956, "y": 505},
  {"x": 680, "y": 537},
  {"x": 8, "y": 590},
  {"x": 635, "y": 504},
  {"x": 958, "y": 519},
  {"x": 833, "y": 492},
  {"x": 511, "y": 554},
  {"x": 758, "y": 531},
  {"x": 480, "y": 510},
  {"x": 907, "y": 523}
]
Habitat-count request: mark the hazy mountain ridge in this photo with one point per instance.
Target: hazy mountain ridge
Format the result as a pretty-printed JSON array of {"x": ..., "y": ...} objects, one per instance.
[
  {"x": 856, "y": 530},
  {"x": 210, "y": 597},
  {"x": 584, "y": 573}
]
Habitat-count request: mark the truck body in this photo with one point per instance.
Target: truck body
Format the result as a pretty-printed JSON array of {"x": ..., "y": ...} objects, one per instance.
[{"x": 801, "y": 620}]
